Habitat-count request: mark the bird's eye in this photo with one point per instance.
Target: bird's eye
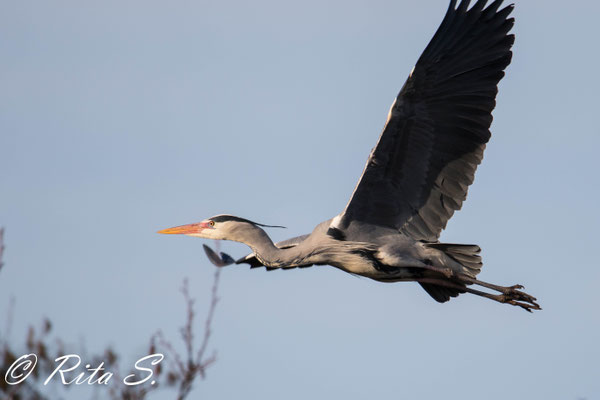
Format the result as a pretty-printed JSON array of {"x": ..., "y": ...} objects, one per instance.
[{"x": 211, "y": 223}]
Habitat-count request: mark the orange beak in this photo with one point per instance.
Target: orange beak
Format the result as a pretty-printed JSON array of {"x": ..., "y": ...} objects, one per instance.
[{"x": 186, "y": 229}]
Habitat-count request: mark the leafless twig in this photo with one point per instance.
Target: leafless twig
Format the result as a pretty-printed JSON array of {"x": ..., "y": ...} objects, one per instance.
[
  {"x": 196, "y": 362},
  {"x": 177, "y": 375}
]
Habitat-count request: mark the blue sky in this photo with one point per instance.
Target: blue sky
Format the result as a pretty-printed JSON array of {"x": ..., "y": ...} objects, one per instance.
[{"x": 121, "y": 118}]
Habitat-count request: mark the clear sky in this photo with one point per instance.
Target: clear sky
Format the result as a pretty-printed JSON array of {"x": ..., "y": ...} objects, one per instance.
[{"x": 119, "y": 118}]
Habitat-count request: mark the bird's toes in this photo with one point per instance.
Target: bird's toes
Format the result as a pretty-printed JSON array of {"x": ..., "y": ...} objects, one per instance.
[{"x": 520, "y": 299}]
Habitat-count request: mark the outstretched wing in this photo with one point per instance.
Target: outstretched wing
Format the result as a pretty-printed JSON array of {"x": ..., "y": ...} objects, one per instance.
[
  {"x": 420, "y": 170},
  {"x": 221, "y": 260},
  {"x": 284, "y": 244}
]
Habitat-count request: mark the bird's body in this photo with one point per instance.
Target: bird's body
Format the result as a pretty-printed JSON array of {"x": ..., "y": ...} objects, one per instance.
[
  {"x": 416, "y": 176},
  {"x": 387, "y": 257}
]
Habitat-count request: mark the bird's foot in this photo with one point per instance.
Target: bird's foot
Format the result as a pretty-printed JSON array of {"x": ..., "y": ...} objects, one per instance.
[
  {"x": 514, "y": 287},
  {"x": 509, "y": 294},
  {"x": 513, "y": 295}
]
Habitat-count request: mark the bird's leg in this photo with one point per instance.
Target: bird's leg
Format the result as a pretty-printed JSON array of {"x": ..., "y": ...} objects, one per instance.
[
  {"x": 510, "y": 291},
  {"x": 446, "y": 271},
  {"x": 507, "y": 298}
]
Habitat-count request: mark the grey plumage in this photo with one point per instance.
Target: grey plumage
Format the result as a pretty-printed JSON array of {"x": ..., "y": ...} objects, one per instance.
[
  {"x": 426, "y": 157},
  {"x": 416, "y": 176}
]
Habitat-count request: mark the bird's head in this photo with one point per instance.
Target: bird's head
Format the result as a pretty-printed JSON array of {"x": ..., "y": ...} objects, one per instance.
[{"x": 220, "y": 227}]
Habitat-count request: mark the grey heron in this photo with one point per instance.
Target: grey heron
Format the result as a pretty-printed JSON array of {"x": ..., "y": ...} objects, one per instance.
[{"x": 416, "y": 176}]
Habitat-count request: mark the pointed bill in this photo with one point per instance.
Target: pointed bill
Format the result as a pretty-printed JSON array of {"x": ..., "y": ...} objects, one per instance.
[{"x": 185, "y": 229}]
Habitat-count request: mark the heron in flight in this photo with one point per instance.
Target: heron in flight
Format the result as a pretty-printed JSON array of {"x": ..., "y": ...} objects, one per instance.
[{"x": 415, "y": 178}]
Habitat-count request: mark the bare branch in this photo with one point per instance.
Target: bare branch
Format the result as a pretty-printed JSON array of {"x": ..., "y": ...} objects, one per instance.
[
  {"x": 179, "y": 373},
  {"x": 197, "y": 365},
  {"x": 214, "y": 299}
]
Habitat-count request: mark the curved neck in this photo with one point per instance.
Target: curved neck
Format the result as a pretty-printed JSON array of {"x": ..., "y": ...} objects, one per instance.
[{"x": 262, "y": 246}]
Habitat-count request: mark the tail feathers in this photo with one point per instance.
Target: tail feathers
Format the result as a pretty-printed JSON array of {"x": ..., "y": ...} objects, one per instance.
[
  {"x": 441, "y": 294},
  {"x": 465, "y": 254}
]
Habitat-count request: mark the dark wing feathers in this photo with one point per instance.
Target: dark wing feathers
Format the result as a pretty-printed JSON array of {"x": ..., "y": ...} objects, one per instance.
[
  {"x": 218, "y": 260},
  {"x": 440, "y": 294},
  {"x": 418, "y": 174}
]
